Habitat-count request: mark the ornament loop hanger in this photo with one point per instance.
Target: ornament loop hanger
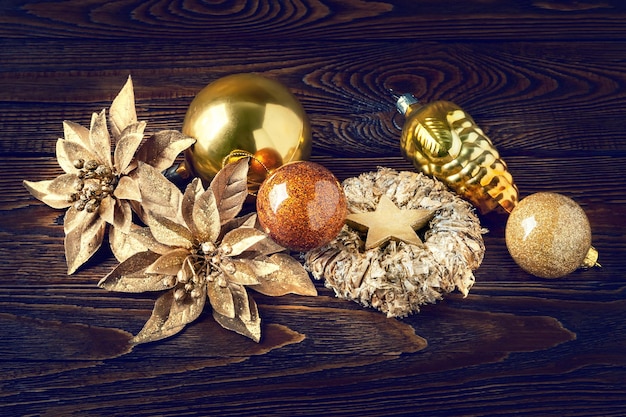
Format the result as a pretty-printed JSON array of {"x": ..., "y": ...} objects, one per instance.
[{"x": 239, "y": 153}]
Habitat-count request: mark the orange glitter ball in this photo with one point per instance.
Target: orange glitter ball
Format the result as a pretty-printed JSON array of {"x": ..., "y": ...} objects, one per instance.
[{"x": 301, "y": 206}]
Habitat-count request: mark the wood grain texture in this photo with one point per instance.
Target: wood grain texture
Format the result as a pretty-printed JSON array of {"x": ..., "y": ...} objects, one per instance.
[
  {"x": 509, "y": 88},
  {"x": 312, "y": 19},
  {"x": 545, "y": 79}
]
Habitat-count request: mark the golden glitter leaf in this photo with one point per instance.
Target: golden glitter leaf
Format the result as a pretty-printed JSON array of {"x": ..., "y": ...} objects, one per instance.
[
  {"x": 127, "y": 145},
  {"x": 122, "y": 112},
  {"x": 206, "y": 217},
  {"x": 247, "y": 321},
  {"x": 144, "y": 236},
  {"x": 73, "y": 219},
  {"x": 193, "y": 190},
  {"x": 261, "y": 265},
  {"x": 245, "y": 239},
  {"x": 122, "y": 215},
  {"x": 107, "y": 210},
  {"x": 169, "y": 263},
  {"x": 245, "y": 273},
  {"x": 99, "y": 138},
  {"x": 73, "y": 132},
  {"x": 63, "y": 158},
  {"x": 185, "y": 311},
  {"x": 264, "y": 246},
  {"x": 84, "y": 239},
  {"x": 221, "y": 299},
  {"x": 388, "y": 222},
  {"x": 247, "y": 220},
  {"x": 130, "y": 276},
  {"x": 63, "y": 185},
  {"x": 168, "y": 232},
  {"x": 153, "y": 328},
  {"x": 158, "y": 195},
  {"x": 127, "y": 189},
  {"x": 230, "y": 187},
  {"x": 124, "y": 245},
  {"x": 289, "y": 277},
  {"x": 161, "y": 149},
  {"x": 187, "y": 271},
  {"x": 241, "y": 299},
  {"x": 67, "y": 152},
  {"x": 47, "y": 191}
]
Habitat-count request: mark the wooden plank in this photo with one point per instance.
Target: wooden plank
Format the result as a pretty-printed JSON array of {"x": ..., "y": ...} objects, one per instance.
[
  {"x": 524, "y": 95},
  {"x": 327, "y": 20}
]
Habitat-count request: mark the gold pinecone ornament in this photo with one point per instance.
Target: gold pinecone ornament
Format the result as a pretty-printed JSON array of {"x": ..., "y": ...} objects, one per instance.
[{"x": 443, "y": 141}]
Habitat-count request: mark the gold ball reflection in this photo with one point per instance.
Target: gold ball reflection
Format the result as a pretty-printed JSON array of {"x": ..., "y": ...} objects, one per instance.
[{"x": 244, "y": 112}]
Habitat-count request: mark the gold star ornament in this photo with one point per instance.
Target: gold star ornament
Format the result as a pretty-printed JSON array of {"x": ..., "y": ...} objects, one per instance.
[{"x": 388, "y": 222}]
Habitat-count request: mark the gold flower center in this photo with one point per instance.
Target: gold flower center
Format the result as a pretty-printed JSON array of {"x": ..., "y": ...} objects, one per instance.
[
  {"x": 94, "y": 183},
  {"x": 208, "y": 263},
  {"x": 215, "y": 262}
]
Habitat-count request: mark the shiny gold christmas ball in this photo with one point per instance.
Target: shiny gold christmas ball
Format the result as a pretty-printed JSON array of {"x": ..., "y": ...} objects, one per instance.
[
  {"x": 243, "y": 114},
  {"x": 549, "y": 236},
  {"x": 301, "y": 206}
]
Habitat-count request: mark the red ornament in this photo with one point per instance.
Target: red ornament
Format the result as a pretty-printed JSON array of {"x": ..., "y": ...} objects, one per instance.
[{"x": 301, "y": 205}]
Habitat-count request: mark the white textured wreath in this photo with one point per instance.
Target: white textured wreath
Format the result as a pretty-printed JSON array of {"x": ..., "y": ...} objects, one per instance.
[{"x": 398, "y": 277}]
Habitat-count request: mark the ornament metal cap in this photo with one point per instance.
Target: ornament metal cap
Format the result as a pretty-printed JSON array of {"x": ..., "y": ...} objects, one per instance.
[
  {"x": 404, "y": 102},
  {"x": 591, "y": 259}
]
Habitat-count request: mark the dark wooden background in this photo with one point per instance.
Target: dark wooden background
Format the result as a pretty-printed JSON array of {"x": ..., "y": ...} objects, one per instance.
[{"x": 545, "y": 79}]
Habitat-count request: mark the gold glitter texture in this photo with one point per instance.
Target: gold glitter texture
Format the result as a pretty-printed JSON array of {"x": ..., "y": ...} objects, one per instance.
[{"x": 548, "y": 235}]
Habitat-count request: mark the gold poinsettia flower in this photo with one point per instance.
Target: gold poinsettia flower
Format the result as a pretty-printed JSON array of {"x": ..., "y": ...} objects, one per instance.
[
  {"x": 97, "y": 187},
  {"x": 201, "y": 252}
]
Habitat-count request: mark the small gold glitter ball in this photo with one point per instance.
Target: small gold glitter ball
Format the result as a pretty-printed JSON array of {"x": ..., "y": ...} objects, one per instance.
[
  {"x": 548, "y": 235},
  {"x": 301, "y": 205}
]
